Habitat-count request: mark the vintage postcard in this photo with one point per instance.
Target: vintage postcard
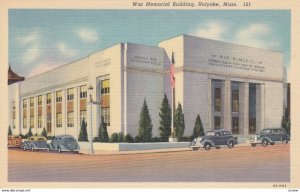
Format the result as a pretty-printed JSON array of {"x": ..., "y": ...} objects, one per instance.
[{"x": 193, "y": 94}]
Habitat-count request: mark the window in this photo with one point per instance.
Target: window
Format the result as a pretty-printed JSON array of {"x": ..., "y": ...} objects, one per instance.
[
  {"x": 217, "y": 122},
  {"x": 105, "y": 112},
  {"x": 31, "y": 101},
  {"x": 70, "y": 120},
  {"x": 24, "y": 103},
  {"x": 31, "y": 121},
  {"x": 48, "y": 98},
  {"x": 82, "y": 116},
  {"x": 58, "y": 120},
  {"x": 49, "y": 123},
  {"x": 235, "y": 125},
  {"x": 70, "y": 94},
  {"x": 83, "y": 91},
  {"x": 235, "y": 101},
  {"x": 24, "y": 122},
  {"x": 105, "y": 87},
  {"x": 40, "y": 100},
  {"x": 59, "y": 96},
  {"x": 40, "y": 121},
  {"x": 217, "y": 99}
]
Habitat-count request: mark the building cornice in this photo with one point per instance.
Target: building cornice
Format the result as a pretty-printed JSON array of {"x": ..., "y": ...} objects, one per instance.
[
  {"x": 53, "y": 87},
  {"x": 231, "y": 75}
]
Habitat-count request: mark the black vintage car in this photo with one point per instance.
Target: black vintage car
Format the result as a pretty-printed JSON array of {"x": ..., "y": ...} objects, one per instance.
[
  {"x": 270, "y": 136},
  {"x": 214, "y": 139},
  {"x": 62, "y": 143}
]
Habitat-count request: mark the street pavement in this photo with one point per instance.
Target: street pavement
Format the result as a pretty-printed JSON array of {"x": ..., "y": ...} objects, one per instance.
[{"x": 240, "y": 164}]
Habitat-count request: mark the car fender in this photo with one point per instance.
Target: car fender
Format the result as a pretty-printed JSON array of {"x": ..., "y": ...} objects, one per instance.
[
  {"x": 26, "y": 144},
  {"x": 50, "y": 146},
  {"x": 267, "y": 138},
  {"x": 233, "y": 140},
  {"x": 208, "y": 141}
]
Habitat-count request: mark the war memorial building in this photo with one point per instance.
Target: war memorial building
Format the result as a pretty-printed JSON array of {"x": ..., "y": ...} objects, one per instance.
[{"x": 234, "y": 87}]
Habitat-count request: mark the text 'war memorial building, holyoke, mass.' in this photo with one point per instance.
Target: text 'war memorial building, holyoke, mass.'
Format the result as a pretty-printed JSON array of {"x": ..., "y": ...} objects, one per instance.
[{"x": 233, "y": 87}]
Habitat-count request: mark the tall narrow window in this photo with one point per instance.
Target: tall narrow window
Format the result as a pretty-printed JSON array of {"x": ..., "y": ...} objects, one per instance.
[
  {"x": 70, "y": 94},
  {"x": 217, "y": 100},
  {"x": 40, "y": 121},
  {"x": 59, "y": 96},
  {"x": 70, "y": 119},
  {"x": 31, "y": 112},
  {"x": 40, "y": 100},
  {"x": 48, "y": 98},
  {"x": 252, "y": 108},
  {"x": 83, "y": 91},
  {"x": 58, "y": 120},
  {"x": 82, "y": 116},
  {"x": 24, "y": 113},
  {"x": 105, "y": 101}
]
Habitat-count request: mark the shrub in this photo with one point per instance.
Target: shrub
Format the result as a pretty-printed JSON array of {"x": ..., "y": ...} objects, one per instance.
[
  {"x": 83, "y": 131},
  {"x": 29, "y": 134},
  {"x": 9, "y": 130},
  {"x": 44, "y": 133},
  {"x": 102, "y": 133},
  {"x": 120, "y": 137},
  {"x": 165, "y": 119},
  {"x": 198, "y": 128},
  {"x": 145, "y": 124},
  {"x": 114, "y": 138},
  {"x": 179, "y": 124},
  {"x": 128, "y": 138},
  {"x": 156, "y": 139}
]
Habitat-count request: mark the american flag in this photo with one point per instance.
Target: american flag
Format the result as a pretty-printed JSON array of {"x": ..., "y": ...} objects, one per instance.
[{"x": 172, "y": 71}]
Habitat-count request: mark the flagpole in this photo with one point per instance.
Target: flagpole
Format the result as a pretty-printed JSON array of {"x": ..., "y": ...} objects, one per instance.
[{"x": 172, "y": 75}]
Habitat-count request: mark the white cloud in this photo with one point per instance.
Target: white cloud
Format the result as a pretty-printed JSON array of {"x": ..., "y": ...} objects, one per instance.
[
  {"x": 256, "y": 35},
  {"x": 30, "y": 38},
  {"x": 42, "y": 68},
  {"x": 31, "y": 54},
  {"x": 213, "y": 30},
  {"x": 88, "y": 35},
  {"x": 65, "y": 50}
]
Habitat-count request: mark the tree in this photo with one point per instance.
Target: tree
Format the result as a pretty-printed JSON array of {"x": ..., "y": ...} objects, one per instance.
[
  {"x": 198, "y": 128},
  {"x": 9, "y": 130},
  {"x": 165, "y": 119},
  {"x": 145, "y": 124},
  {"x": 286, "y": 123},
  {"x": 44, "y": 133},
  {"x": 83, "y": 131},
  {"x": 102, "y": 134},
  {"x": 179, "y": 122}
]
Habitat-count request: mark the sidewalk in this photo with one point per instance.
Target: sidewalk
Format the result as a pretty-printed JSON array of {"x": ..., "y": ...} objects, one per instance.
[{"x": 104, "y": 152}]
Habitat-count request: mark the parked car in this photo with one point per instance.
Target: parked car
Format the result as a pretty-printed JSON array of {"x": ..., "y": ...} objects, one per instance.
[
  {"x": 214, "y": 139},
  {"x": 270, "y": 136},
  {"x": 34, "y": 143},
  {"x": 63, "y": 143},
  {"x": 14, "y": 141}
]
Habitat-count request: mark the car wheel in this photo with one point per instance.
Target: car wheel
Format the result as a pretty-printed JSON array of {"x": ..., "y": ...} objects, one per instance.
[
  {"x": 207, "y": 146},
  {"x": 59, "y": 150},
  {"x": 230, "y": 144},
  {"x": 195, "y": 148},
  {"x": 218, "y": 147},
  {"x": 24, "y": 148},
  {"x": 253, "y": 144},
  {"x": 285, "y": 141},
  {"x": 265, "y": 143},
  {"x": 32, "y": 148},
  {"x": 272, "y": 143}
]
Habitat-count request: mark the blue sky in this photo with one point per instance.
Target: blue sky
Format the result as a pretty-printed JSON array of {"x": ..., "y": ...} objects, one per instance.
[{"x": 40, "y": 40}]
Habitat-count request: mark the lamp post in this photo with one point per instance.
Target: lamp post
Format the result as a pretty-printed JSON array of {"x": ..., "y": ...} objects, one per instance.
[
  {"x": 90, "y": 90},
  {"x": 91, "y": 103}
]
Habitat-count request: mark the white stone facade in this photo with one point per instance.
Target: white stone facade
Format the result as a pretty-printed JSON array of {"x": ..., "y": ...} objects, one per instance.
[{"x": 203, "y": 69}]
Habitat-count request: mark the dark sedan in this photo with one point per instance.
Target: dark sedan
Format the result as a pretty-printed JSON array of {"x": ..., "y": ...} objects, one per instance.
[{"x": 214, "y": 139}]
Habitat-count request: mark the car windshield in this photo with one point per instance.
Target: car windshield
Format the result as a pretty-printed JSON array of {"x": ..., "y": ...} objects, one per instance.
[{"x": 69, "y": 139}]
